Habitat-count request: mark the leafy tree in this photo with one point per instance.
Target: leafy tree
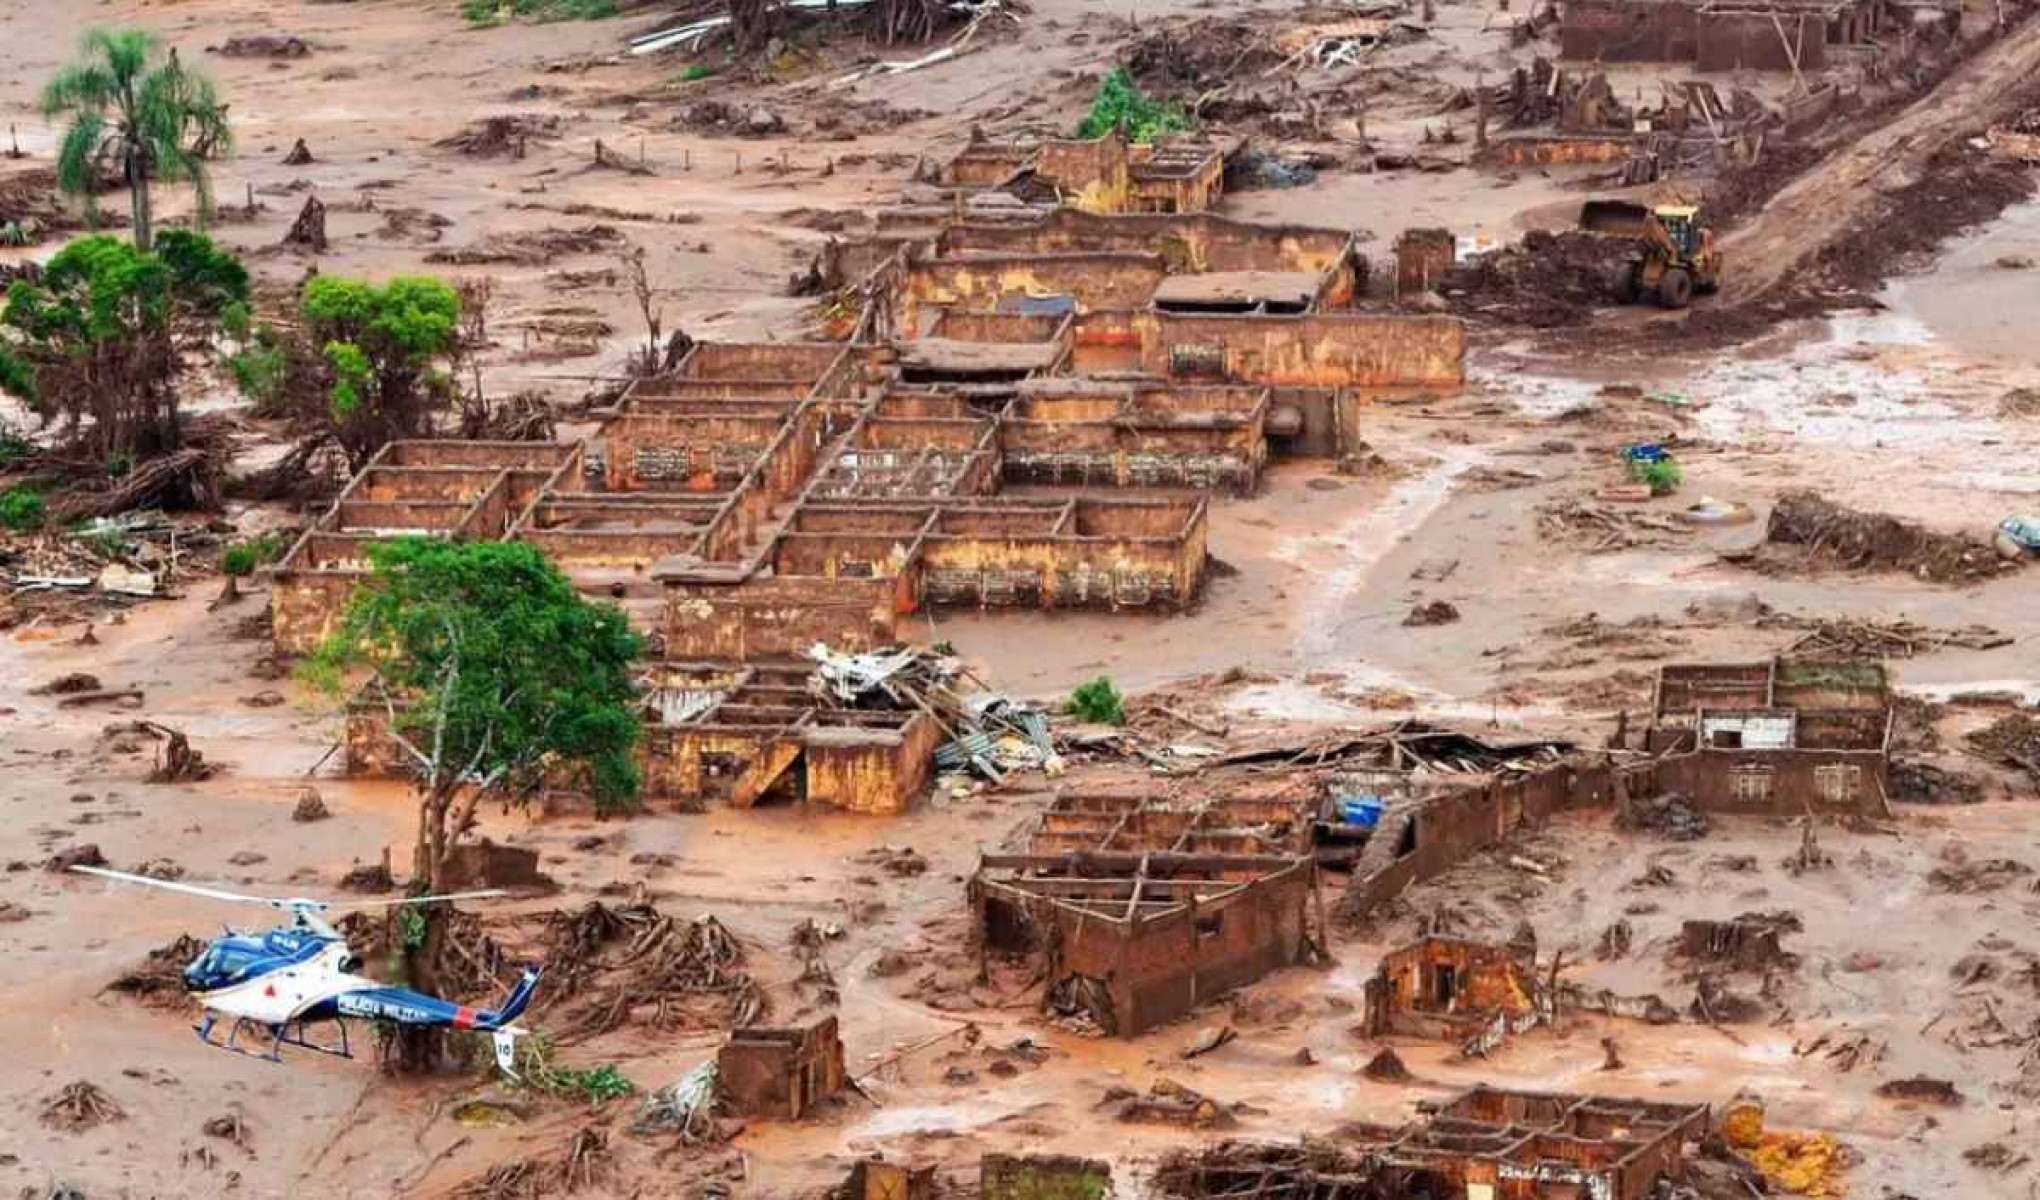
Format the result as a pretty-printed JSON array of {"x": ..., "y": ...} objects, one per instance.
[
  {"x": 100, "y": 340},
  {"x": 1097, "y": 702},
  {"x": 1120, "y": 104},
  {"x": 366, "y": 363},
  {"x": 496, "y": 675},
  {"x": 150, "y": 122}
]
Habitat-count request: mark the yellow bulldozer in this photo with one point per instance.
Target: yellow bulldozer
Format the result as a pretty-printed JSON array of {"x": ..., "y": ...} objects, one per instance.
[{"x": 1677, "y": 256}]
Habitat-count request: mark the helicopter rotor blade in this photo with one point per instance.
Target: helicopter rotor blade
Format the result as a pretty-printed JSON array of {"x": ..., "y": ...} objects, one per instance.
[
  {"x": 189, "y": 889},
  {"x": 392, "y": 903}
]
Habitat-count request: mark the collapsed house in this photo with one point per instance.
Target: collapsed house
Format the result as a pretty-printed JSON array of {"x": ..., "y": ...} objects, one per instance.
[
  {"x": 1484, "y": 1144},
  {"x": 1106, "y": 174},
  {"x": 780, "y": 1074},
  {"x": 1129, "y": 941},
  {"x": 1784, "y": 737},
  {"x": 1444, "y": 988},
  {"x": 1801, "y": 36}
]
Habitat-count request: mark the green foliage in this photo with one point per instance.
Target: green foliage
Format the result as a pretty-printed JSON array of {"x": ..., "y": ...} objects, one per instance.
[
  {"x": 259, "y": 371},
  {"x": 13, "y": 446},
  {"x": 696, "y": 71},
  {"x": 351, "y": 377},
  {"x": 243, "y": 557},
  {"x": 16, "y": 233},
  {"x": 21, "y": 509},
  {"x": 160, "y": 121},
  {"x": 410, "y": 927},
  {"x": 17, "y": 378},
  {"x": 502, "y": 665},
  {"x": 1097, "y": 702},
  {"x": 498, "y": 12},
  {"x": 1121, "y": 104},
  {"x": 119, "y": 464},
  {"x": 95, "y": 335},
  {"x": 381, "y": 344},
  {"x": 1663, "y": 475}
]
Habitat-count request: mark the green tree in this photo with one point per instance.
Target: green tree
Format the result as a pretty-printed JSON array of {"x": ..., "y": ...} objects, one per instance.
[
  {"x": 1121, "y": 105},
  {"x": 496, "y": 675},
  {"x": 383, "y": 355},
  {"x": 100, "y": 340},
  {"x": 149, "y": 120}
]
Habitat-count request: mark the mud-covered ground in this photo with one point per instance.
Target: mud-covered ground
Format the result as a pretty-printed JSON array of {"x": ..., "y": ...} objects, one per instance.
[{"x": 1486, "y": 500}]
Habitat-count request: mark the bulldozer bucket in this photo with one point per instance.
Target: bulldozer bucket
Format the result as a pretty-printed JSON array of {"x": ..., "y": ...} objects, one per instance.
[{"x": 1618, "y": 217}]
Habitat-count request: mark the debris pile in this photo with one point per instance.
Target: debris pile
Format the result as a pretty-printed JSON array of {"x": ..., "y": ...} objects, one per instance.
[
  {"x": 80, "y": 1106},
  {"x": 1601, "y": 529},
  {"x": 583, "y": 1162},
  {"x": 530, "y": 248},
  {"x": 612, "y": 966},
  {"x": 1669, "y": 815},
  {"x": 1166, "y": 1103},
  {"x": 1833, "y": 535},
  {"x": 990, "y": 734},
  {"x": 1863, "y": 637},
  {"x": 1547, "y": 279},
  {"x": 2012, "y": 740},
  {"x": 159, "y": 979},
  {"x": 501, "y": 136}
]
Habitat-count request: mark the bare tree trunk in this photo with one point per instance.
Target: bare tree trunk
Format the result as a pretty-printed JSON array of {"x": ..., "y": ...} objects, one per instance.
[
  {"x": 138, "y": 191},
  {"x": 418, "y": 1049}
]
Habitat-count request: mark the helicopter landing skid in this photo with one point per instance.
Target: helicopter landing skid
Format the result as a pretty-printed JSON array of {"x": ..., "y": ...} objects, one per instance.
[{"x": 290, "y": 1033}]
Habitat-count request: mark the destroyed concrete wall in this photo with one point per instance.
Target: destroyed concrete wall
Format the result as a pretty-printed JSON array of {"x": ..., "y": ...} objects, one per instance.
[
  {"x": 1314, "y": 350},
  {"x": 1781, "y": 783},
  {"x": 1093, "y": 176},
  {"x": 1529, "y": 151},
  {"x": 1629, "y": 31},
  {"x": 1173, "y": 963},
  {"x": 1189, "y": 244},
  {"x": 1043, "y": 1177},
  {"x": 1765, "y": 40},
  {"x": 868, "y": 771},
  {"x": 775, "y": 616},
  {"x": 1422, "y": 256},
  {"x": 487, "y": 864},
  {"x": 780, "y": 1074},
  {"x": 873, "y": 1179},
  {"x": 1452, "y": 978},
  {"x": 982, "y": 282}
]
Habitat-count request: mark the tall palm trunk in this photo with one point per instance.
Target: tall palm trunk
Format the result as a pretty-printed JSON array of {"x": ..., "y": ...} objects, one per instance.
[{"x": 136, "y": 163}]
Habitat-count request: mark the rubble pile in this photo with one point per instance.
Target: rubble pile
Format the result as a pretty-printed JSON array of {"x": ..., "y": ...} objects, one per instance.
[
  {"x": 501, "y": 136},
  {"x": 1547, "y": 279},
  {"x": 80, "y": 1106},
  {"x": 583, "y": 1162},
  {"x": 2012, "y": 740},
  {"x": 990, "y": 734},
  {"x": 1830, "y": 534},
  {"x": 612, "y": 966},
  {"x": 158, "y": 981}
]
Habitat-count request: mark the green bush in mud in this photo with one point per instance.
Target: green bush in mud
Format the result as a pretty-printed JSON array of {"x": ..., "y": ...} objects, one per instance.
[
  {"x": 1122, "y": 105},
  {"x": 1098, "y": 703}
]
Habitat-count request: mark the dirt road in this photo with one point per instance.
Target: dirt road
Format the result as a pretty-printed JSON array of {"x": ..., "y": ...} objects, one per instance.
[{"x": 1822, "y": 207}]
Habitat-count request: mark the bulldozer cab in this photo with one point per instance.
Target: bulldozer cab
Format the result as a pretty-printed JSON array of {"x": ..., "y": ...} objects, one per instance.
[{"x": 1682, "y": 226}]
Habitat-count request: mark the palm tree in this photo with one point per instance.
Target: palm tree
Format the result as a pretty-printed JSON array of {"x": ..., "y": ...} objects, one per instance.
[{"x": 158, "y": 122}]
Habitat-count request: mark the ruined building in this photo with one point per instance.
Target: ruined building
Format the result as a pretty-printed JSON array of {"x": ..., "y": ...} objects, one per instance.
[
  {"x": 1133, "y": 940},
  {"x": 1030, "y": 413},
  {"x": 1484, "y": 1144},
  {"x": 1782, "y": 737}
]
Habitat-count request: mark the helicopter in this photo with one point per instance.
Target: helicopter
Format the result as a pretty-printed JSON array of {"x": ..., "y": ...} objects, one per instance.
[{"x": 281, "y": 980}]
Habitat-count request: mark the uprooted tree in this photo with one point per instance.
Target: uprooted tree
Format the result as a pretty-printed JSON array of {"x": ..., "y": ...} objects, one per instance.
[
  {"x": 99, "y": 343},
  {"x": 147, "y": 122},
  {"x": 497, "y": 678}
]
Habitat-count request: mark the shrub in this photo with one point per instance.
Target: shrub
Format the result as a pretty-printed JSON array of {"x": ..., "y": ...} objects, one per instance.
[
  {"x": 1121, "y": 104},
  {"x": 1663, "y": 475},
  {"x": 242, "y": 558},
  {"x": 21, "y": 509},
  {"x": 1098, "y": 703}
]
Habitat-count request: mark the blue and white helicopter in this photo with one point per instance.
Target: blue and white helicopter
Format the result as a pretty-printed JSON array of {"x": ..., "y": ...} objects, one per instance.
[{"x": 281, "y": 980}]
